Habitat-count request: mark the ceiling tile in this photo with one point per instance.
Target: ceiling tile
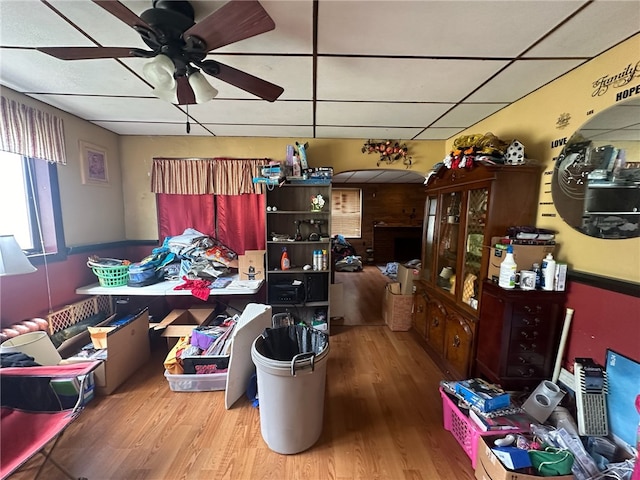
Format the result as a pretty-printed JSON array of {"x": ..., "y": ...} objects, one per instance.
[
  {"x": 104, "y": 28},
  {"x": 253, "y": 112},
  {"x": 440, "y": 133},
  {"x": 44, "y": 28},
  {"x": 436, "y": 28},
  {"x": 293, "y": 33},
  {"x": 595, "y": 29},
  {"x": 467, "y": 114},
  {"x": 399, "y": 79},
  {"x": 379, "y": 114},
  {"x": 153, "y": 128},
  {"x": 31, "y": 71},
  {"x": 520, "y": 79},
  {"x": 281, "y": 131},
  {"x": 116, "y": 108},
  {"x": 366, "y": 132}
]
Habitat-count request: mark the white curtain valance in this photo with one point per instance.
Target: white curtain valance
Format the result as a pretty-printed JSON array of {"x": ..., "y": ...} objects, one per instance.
[
  {"x": 31, "y": 132},
  {"x": 206, "y": 176}
]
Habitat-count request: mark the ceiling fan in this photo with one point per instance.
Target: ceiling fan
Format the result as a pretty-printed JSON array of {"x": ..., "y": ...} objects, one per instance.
[{"x": 179, "y": 46}]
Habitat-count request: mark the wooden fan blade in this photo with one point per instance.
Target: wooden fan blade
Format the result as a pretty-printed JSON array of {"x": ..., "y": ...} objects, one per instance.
[
  {"x": 185, "y": 92},
  {"x": 249, "y": 83},
  {"x": 234, "y": 21},
  {"x": 118, "y": 10},
  {"x": 86, "y": 53}
]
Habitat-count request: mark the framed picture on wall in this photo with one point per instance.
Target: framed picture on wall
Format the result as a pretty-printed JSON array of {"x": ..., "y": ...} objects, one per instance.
[{"x": 93, "y": 164}]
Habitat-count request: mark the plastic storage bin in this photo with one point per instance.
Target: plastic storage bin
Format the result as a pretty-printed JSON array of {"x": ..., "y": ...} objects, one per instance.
[
  {"x": 197, "y": 383},
  {"x": 461, "y": 427}
]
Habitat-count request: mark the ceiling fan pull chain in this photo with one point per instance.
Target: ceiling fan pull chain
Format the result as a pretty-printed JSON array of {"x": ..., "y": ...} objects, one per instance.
[{"x": 188, "y": 124}]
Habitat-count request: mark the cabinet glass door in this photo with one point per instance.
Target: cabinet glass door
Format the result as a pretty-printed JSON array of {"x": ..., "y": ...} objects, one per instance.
[
  {"x": 428, "y": 237},
  {"x": 448, "y": 242},
  {"x": 476, "y": 215}
]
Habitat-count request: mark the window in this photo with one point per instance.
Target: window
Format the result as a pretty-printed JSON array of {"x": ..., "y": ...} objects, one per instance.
[
  {"x": 346, "y": 212},
  {"x": 30, "y": 204}
]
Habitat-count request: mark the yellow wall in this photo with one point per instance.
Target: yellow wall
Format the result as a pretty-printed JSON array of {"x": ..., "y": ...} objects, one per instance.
[
  {"x": 138, "y": 153},
  {"x": 90, "y": 214},
  {"x": 532, "y": 120}
]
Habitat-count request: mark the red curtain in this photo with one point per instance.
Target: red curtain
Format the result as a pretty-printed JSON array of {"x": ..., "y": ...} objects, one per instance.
[
  {"x": 241, "y": 221},
  {"x": 179, "y": 212}
]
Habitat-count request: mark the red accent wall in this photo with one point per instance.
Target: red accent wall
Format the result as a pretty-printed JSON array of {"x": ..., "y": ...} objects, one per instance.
[
  {"x": 25, "y": 296},
  {"x": 602, "y": 319}
]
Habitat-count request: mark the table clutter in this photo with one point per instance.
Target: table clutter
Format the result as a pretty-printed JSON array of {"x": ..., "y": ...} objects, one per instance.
[
  {"x": 197, "y": 262},
  {"x": 505, "y": 438}
]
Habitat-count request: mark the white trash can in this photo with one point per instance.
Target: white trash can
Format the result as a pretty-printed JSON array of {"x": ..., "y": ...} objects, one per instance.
[{"x": 291, "y": 392}]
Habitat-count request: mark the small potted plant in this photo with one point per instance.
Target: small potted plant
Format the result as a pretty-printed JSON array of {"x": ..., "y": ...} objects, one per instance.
[{"x": 317, "y": 203}]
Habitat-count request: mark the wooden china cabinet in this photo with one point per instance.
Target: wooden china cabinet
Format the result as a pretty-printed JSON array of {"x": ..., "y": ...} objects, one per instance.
[{"x": 464, "y": 209}]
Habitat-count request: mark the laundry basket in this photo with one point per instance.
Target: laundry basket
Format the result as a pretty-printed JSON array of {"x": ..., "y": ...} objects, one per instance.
[{"x": 114, "y": 275}]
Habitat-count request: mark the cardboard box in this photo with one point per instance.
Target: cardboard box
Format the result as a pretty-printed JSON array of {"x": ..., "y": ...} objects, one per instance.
[
  {"x": 251, "y": 265},
  {"x": 489, "y": 467},
  {"x": 127, "y": 350},
  {"x": 181, "y": 322},
  {"x": 524, "y": 255},
  {"x": 396, "y": 308},
  {"x": 561, "y": 276},
  {"x": 406, "y": 276}
]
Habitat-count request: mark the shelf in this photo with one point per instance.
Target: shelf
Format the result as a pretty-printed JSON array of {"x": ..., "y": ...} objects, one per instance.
[
  {"x": 299, "y": 242},
  {"x": 611, "y": 213},
  {"x": 301, "y": 305},
  {"x": 611, "y": 185},
  {"x": 298, "y": 212},
  {"x": 296, "y": 270}
]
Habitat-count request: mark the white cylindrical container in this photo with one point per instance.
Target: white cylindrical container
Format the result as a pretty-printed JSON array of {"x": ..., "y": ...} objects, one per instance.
[
  {"x": 508, "y": 269},
  {"x": 291, "y": 395},
  {"x": 548, "y": 272},
  {"x": 35, "y": 344}
]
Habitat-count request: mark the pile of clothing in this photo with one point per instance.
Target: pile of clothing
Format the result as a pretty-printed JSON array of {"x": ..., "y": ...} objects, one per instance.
[
  {"x": 200, "y": 256},
  {"x": 344, "y": 255}
]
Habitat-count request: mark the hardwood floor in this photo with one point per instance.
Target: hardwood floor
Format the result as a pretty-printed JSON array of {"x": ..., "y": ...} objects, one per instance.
[
  {"x": 382, "y": 419},
  {"x": 363, "y": 292}
]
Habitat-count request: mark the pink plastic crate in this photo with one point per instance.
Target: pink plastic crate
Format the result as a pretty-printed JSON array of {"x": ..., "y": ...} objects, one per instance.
[{"x": 461, "y": 427}]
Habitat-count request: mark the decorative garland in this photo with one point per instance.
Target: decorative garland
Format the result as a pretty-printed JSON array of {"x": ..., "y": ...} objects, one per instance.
[{"x": 388, "y": 150}]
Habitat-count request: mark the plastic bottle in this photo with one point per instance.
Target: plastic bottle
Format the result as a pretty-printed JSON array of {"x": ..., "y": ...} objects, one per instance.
[
  {"x": 284, "y": 260},
  {"x": 508, "y": 270},
  {"x": 548, "y": 272},
  {"x": 536, "y": 268}
]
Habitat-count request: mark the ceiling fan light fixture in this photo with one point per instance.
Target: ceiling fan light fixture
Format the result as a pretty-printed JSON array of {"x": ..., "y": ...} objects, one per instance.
[
  {"x": 168, "y": 95},
  {"x": 202, "y": 89},
  {"x": 159, "y": 72}
]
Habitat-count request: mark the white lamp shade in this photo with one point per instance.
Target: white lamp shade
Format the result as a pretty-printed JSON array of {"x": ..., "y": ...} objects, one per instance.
[
  {"x": 202, "y": 89},
  {"x": 167, "y": 95},
  {"x": 159, "y": 72},
  {"x": 13, "y": 261}
]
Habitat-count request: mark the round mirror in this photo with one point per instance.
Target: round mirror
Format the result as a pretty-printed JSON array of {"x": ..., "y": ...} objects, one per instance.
[{"x": 596, "y": 178}]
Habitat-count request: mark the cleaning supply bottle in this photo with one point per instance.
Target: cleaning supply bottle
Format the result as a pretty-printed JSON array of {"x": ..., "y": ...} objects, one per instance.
[
  {"x": 284, "y": 260},
  {"x": 508, "y": 270},
  {"x": 536, "y": 268},
  {"x": 548, "y": 272}
]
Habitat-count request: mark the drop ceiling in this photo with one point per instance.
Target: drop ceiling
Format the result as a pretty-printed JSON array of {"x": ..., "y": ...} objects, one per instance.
[{"x": 411, "y": 70}]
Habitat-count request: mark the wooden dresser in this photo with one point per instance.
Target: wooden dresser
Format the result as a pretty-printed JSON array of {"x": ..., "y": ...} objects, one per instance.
[{"x": 518, "y": 335}]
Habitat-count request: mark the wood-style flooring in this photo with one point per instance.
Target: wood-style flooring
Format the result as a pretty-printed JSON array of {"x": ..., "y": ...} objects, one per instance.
[{"x": 382, "y": 417}]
